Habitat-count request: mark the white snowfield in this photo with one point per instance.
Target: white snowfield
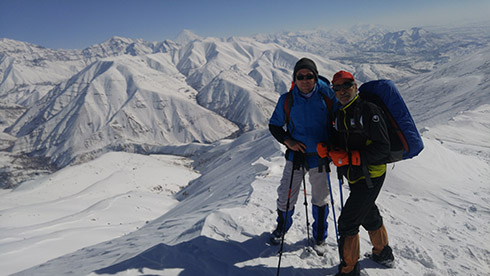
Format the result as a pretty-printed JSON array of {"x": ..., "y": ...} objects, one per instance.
[
  {"x": 211, "y": 212},
  {"x": 117, "y": 214}
]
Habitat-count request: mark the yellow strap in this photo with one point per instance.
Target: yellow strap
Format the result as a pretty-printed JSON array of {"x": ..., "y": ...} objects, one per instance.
[{"x": 374, "y": 171}]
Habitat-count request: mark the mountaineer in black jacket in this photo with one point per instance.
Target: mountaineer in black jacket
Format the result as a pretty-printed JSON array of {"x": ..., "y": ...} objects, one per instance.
[{"x": 361, "y": 143}]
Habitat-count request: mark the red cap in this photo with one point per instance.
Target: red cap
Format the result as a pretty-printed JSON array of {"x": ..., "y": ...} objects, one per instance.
[{"x": 342, "y": 75}]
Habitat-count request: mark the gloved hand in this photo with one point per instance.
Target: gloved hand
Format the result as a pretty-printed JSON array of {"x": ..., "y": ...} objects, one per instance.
[
  {"x": 322, "y": 149},
  {"x": 341, "y": 157}
]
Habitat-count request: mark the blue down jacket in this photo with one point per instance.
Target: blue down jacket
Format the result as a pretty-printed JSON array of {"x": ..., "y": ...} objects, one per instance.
[{"x": 309, "y": 120}]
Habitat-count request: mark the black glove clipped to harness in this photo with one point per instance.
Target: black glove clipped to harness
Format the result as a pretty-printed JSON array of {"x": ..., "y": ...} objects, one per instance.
[{"x": 299, "y": 160}]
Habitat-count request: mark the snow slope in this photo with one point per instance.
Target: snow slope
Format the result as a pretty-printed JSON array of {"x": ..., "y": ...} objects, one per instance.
[
  {"x": 460, "y": 85},
  {"x": 87, "y": 204},
  {"x": 434, "y": 206}
]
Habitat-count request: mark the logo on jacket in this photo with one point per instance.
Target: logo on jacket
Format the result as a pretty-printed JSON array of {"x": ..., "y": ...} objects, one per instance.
[
  {"x": 352, "y": 122},
  {"x": 356, "y": 124}
]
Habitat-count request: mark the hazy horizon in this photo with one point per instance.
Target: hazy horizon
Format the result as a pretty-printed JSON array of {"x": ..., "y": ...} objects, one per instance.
[{"x": 80, "y": 24}]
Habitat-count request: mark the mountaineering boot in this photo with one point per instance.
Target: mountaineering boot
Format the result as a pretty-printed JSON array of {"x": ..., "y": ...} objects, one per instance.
[
  {"x": 355, "y": 272},
  {"x": 276, "y": 236},
  {"x": 382, "y": 252},
  {"x": 320, "y": 227},
  {"x": 320, "y": 247},
  {"x": 384, "y": 258},
  {"x": 283, "y": 219},
  {"x": 350, "y": 251}
]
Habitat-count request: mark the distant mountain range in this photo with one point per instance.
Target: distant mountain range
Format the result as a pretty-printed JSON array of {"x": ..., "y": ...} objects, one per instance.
[{"x": 70, "y": 106}]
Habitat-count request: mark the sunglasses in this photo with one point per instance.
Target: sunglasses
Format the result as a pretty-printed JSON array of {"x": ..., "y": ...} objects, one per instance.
[
  {"x": 345, "y": 86},
  {"x": 305, "y": 77}
]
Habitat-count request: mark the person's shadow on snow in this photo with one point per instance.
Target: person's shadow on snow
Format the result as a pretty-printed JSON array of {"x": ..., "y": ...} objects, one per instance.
[{"x": 205, "y": 256}]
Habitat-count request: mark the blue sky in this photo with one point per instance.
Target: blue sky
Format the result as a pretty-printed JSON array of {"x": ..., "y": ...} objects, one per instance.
[{"x": 77, "y": 24}]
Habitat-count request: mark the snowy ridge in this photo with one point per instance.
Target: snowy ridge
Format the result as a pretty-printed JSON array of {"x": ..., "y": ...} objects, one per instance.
[
  {"x": 186, "y": 36},
  {"x": 458, "y": 86},
  {"x": 116, "y": 104},
  {"x": 410, "y": 52},
  {"x": 28, "y": 72},
  {"x": 229, "y": 95},
  {"x": 133, "y": 103},
  {"x": 117, "y": 46}
]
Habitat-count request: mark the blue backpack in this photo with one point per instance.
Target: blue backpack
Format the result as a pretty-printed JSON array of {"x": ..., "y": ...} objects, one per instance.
[{"x": 405, "y": 139}]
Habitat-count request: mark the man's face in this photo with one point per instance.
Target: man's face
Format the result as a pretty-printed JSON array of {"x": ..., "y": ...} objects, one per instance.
[
  {"x": 345, "y": 90},
  {"x": 305, "y": 80}
]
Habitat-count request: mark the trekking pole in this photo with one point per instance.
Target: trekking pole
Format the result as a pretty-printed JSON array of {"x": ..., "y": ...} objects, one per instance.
[
  {"x": 341, "y": 181},
  {"x": 285, "y": 217},
  {"x": 333, "y": 210},
  {"x": 306, "y": 207}
]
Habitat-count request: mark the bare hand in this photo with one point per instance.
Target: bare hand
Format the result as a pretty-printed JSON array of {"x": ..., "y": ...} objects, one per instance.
[{"x": 295, "y": 145}]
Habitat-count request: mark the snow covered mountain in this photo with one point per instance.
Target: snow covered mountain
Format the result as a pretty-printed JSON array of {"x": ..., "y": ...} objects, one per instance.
[
  {"x": 117, "y": 105},
  {"x": 460, "y": 85},
  {"x": 135, "y": 100},
  {"x": 28, "y": 72},
  {"x": 388, "y": 53},
  {"x": 209, "y": 99},
  {"x": 71, "y": 106}
]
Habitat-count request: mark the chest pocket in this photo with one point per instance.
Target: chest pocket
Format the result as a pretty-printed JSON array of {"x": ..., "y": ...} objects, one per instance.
[
  {"x": 355, "y": 125},
  {"x": 350, "y": 122},
  {"x": 350, "y": 126}
]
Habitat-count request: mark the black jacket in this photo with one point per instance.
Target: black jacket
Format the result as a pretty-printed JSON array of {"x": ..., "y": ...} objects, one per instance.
[{"x": 361, "y": 126}]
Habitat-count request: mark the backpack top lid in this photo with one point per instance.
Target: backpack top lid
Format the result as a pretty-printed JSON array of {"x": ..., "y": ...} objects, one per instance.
[{"x": 385, "y": 94}]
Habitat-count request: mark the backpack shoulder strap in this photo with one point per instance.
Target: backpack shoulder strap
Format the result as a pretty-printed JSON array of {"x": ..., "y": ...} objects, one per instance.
[
  {"x": 288, "y": 103},
  {"x": 326, "y": 99},
  {"x": 328, "y": 102}
]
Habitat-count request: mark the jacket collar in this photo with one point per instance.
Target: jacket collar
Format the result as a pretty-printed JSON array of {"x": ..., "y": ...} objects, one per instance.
[
  {"x": 306, "y": 96},
  {"x": 350, "y": 103}
]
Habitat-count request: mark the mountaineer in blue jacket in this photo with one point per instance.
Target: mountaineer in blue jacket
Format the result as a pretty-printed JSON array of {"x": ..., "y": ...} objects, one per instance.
[{"x": 305, "y": 112}]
